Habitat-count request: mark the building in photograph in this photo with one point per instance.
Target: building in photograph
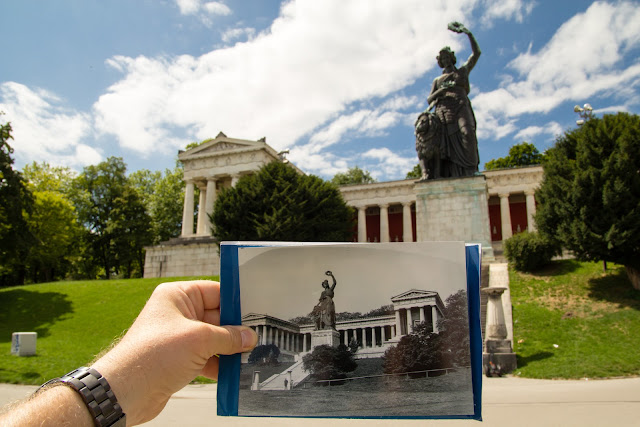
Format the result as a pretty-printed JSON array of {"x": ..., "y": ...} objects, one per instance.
[{"x": 386, "y": 211}]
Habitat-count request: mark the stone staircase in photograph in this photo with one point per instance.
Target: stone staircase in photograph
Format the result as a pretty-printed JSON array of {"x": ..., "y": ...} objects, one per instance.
[{"x": 277, "y": 381}]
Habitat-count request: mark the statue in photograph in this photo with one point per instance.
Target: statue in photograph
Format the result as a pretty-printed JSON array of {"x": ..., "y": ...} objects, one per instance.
[
  {"x": 324, "y": 313},
  {"x": 446, "y": 138}
]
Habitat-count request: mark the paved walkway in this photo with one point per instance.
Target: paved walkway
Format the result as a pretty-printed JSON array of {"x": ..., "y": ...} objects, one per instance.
[{"x": 506, "y": 402}]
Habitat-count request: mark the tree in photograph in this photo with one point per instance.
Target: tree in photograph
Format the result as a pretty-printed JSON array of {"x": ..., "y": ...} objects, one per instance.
[
  {"x": 354, "y": 175},
  {"x": 590, "y": 194},
  {"x": 328, "y": 363},
  {"x": 15, "y": 201},
  {"x": 277, "y": 203},
  {"x": 266, "y": 354},
  {"x": 424, "y": 350},
  {"x": 523, "y": 154}
]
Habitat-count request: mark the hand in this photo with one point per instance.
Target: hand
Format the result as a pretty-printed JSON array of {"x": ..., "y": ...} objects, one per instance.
[{"x": 174, "y": 339}]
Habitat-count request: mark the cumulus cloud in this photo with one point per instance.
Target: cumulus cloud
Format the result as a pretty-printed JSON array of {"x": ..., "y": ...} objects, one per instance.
[
  {"x": 289, "y": 82},
  {"x": 506, "y": 9},
  {"x": 44, "y": 130},
  {"x": 232, "y": 34},
  {"x": 552, "y": 129},
  {"x": 389, "y": 163},
  {"x": 580, "y": 61},
  {"x": 194, "y": 7}
]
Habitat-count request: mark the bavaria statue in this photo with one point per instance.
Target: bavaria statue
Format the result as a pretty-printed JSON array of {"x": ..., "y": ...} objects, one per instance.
[
  {"x": 446, "y": 137},
  {"x": 324, "y": 313}
]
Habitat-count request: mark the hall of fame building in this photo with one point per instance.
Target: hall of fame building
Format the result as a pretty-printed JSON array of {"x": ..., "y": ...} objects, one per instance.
[{"x": 501, "y": 203}]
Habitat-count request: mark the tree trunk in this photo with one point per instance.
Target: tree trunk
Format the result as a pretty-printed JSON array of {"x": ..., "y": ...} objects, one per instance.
[{"x": 634, "y": 276}]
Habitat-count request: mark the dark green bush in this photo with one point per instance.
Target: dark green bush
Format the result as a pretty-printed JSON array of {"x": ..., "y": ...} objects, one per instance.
[{"x": 529, "y": 251}]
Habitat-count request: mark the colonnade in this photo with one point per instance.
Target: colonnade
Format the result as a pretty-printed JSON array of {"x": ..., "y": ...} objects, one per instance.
[
  {"x": 208, "y": 193},
  {"x": 283, "y": 339},
  {"x": 407, "y": 224},
  {"x": 404, "y": 318},
  {"x": 505, "y": 212}
]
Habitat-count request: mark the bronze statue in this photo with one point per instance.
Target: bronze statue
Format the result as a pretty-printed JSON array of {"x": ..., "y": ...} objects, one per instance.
[
  {"x": 446, "y": 139},
  {"x": 324, "y": 312}
]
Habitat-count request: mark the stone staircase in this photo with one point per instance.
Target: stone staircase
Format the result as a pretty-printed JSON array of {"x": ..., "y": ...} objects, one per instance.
[{"x": 276, "y": 382}]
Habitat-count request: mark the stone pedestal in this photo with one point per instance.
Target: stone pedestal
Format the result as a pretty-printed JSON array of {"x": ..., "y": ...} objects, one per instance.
[
  {"x": 454, "y": 209},
  {"x": 325, "y": 337},
  {"x": 181, "y": 256},
  {"x": 498, "y": 357},
  {"x": 23, "y": 343}
]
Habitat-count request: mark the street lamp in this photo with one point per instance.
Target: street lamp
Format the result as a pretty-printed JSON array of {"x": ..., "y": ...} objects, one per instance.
[{"x": 585, "y": 112}]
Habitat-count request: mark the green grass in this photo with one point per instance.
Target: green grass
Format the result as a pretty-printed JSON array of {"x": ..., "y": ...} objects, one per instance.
[
  {"x": 75, "y": 321},
  {"x": 572, "y": 320}
]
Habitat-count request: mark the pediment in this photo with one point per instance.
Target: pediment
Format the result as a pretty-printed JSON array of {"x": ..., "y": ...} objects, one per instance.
[
  {"x": 220, "y": 145},
  {"x": 412, "y": 295},
  {"x": 253, "y": 316}
]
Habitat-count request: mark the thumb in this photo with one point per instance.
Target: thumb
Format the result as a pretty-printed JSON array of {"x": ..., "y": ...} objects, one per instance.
[{"x": 231, "y": 339}]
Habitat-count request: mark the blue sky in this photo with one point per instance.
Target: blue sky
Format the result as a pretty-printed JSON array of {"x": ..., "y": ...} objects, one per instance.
[{"x": 338, "y": 82}]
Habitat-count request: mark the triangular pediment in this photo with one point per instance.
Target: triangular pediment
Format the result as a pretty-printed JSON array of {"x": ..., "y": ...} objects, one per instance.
[
  {"x": 413, "y": 294},
  {"x": 220, "y": 145},
  {"x": 253, "y": 316}
]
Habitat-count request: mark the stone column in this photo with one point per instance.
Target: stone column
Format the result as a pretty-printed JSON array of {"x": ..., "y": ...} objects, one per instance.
[
  {"x": 384, "y": 223},
  {"x": 187, "y": 211},
  {"x": 422, "y": 319},
  {"x": 211, "y": 198},
  {"x": 531, "y": 210},
  {"x": 434, "y": 318},
  {"x": 304, "y": 343},
  {"x": 263, "y": 337},
  {"x": 398, "y": 327},
  {"x": 363, "y": 338},
  {"x": 505, "y": 215},
  {"x": 345, "y": 339},
  {"x": 362, "y": 224},
  {"x": 382, "y": 335},
  {"x": 498, "y": 357},
  {"x": 409, "y": 329},
  {"x": 202, "y": 216},
  {"x": 407, "y": 228},
  {"x": 234, "y": 179}
]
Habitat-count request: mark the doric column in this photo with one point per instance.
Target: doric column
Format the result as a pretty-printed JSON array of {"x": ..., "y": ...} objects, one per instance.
[
  {"x": 407, "y": 228},
  {"x": 409, "y": 329},
  {"x": 398, "y": 327},
  {"x": 531, "y": 210},
  {"x": 211, "y": 198},
  {"x": 505, "y": 215},
  {"x": 304, "y": 343},
  {"x": 202, "y": 215},
  {"x": 434, "y": 318},
  {"x": 362, "y": 224},
  {"x": 421, "y": 314},
  {"x": 187, "y": 211},
  {"x": 382, "y": 334},
  {"x": 363, "y": 338},
  {"x": 264, "y": 334},
  {"x": 234, "y": 179},
  {"x": 384, "y": 223},
  {"x": 345, "y": 338}
]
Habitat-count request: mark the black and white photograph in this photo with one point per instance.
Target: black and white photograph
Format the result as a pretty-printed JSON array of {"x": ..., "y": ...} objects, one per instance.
[{"x": 356, "y": 330}]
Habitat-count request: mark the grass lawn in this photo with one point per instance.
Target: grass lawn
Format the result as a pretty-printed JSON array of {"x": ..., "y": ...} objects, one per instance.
[
  {"x": 74, "y": 320},
  {"x": 572, "y": 320}
]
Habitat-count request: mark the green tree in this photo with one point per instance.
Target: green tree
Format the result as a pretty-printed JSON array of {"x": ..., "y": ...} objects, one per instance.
[
  {"x": 590, "y": 194},
  {"x": 162, "y": 194},
  {"x": 328, "y": 363},
  {"x": 523, "y": 154},
  {"x": 279, "y": 204},
  {"x": 415, "y": 173},
  {"x": 15, "y": 201},
  {"x": 354, "y": 175}
]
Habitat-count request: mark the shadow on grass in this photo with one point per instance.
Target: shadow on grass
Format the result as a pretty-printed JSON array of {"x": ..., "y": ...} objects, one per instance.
[
  {"x": 28, "y": 311},
  {"x": 524, "y": 361},
  {"x": 558, "y": 268},
  {"x": 616, "y": 288}
]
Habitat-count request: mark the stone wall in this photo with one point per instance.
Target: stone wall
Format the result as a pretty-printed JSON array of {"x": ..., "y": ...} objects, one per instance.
[{"x": 182, "y": 257}]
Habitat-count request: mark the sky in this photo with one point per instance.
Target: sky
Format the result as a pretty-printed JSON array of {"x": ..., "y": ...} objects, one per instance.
[
  {"x": 287, "y": 281},
  {"x": 339, "y": 83}
]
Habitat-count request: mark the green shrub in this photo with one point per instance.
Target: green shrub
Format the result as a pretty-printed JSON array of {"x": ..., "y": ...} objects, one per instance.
[{"x": 529, "y": 251}]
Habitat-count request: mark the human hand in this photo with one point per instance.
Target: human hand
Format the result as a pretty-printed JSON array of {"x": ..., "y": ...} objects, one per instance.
[{"x": 174, "y": 339}]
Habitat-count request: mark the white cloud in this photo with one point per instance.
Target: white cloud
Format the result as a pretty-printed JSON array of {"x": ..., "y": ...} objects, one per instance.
[
  {"x": 293, "y": 80},
  {"x": 552, "y": 129},
  {"x": 506, "y": 9},
  {"x": 389, "y": 164},
  {"x": 237, "y": 33},
  {"x": 581, "y": 61},
  {"x": 203, "y": 10},
  {"x": 43, "y": 130}
]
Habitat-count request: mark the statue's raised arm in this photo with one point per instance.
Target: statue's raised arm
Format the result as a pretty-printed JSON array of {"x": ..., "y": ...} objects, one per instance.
[
  {"x": 457, "y": 27},
  {"x": 330, "y": 274}
]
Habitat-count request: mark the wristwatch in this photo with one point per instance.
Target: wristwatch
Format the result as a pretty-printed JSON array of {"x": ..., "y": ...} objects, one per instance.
[{"x": 97, "y": 395}]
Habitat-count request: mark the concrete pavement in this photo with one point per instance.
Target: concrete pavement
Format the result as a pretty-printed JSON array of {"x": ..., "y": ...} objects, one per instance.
[{"x": 506, "y": 402}]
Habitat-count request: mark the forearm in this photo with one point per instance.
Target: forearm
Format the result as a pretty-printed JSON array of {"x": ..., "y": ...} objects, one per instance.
[{"x": 59, "y": 405}]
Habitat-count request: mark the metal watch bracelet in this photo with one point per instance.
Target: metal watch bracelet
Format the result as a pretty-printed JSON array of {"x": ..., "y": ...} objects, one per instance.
[{"x": 97, "y": 395}]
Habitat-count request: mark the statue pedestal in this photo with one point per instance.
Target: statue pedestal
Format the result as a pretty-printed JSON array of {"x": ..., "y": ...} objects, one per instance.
[
  {"x": 454, "y": 209},
  {"x": 498, "y": 357},
  {"x": 325, "y": 337}
]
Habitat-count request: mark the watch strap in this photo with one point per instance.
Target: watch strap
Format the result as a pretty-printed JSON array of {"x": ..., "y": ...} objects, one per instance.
[{"x": 97, "y": 395}]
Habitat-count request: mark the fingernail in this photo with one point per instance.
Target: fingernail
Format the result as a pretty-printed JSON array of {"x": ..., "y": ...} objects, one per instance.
[{"x": 248, "y": 338}]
